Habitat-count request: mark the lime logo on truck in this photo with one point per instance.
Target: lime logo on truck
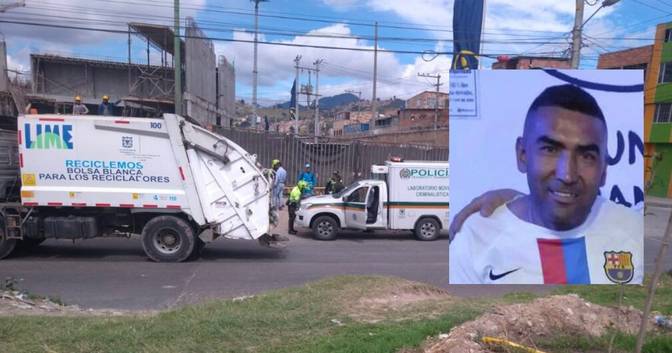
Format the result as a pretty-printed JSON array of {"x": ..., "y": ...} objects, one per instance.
[
  {"x": 48, "y": 136},
  {"x": 406, "y": 173}
]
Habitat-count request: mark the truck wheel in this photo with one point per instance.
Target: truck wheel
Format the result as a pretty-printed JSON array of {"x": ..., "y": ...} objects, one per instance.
[
  {"x": 168, "y": 239},
  {"x": 325, "y": 228},
  {"x": 198, "y": 249},
  {"x": 6, "y": 247},
  {"x": 427, "y": 229}
]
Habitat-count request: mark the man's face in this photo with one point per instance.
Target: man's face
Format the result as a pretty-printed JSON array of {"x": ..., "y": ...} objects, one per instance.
[{"x": 563, "y": 152}]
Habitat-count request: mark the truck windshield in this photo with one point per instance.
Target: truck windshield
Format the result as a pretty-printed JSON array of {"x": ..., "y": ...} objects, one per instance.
[{"x": 350, "y": 187}]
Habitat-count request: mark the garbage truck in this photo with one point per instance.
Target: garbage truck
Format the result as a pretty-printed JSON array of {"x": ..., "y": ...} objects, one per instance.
[
  {"x": 168, "y": 180},
  {"x": 411, "y": 195}
]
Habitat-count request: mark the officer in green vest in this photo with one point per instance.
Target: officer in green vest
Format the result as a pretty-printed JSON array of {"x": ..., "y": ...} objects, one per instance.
[{"x": 293, "y": 203}]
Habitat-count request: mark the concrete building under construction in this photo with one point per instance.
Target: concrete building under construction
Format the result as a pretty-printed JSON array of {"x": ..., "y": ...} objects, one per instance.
[{"x": 140, "y": 89}]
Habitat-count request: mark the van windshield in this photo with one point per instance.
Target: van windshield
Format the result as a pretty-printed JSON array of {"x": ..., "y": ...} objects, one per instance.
[{"x": 350, "y": 187}]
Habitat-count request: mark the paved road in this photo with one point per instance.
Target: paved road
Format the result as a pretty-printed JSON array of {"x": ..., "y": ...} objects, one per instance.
[{"x": 114, "y": 273}]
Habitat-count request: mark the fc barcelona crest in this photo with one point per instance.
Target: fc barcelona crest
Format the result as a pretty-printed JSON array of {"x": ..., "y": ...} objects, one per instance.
[{"x": 618, "y": 266}]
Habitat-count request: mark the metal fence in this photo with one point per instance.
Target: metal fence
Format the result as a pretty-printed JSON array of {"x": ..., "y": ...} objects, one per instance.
[{"x": 353, "y": 159}]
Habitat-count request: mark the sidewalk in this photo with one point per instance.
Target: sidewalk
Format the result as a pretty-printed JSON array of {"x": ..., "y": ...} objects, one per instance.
[{"x": 658, "y": 201}]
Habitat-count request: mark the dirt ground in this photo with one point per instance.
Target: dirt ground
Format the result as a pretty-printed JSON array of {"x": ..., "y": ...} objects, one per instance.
[
  {"x": 399, "y": 300},
  {"x": 19, "y": 303},
  {"x": 527, "y": 323}
]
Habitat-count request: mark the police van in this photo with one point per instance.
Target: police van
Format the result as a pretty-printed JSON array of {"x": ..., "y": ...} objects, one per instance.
[{"x": 410, "y": 195}]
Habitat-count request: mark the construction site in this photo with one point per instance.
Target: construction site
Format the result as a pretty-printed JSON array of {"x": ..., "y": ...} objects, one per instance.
[{"x": 141, "y": 89}]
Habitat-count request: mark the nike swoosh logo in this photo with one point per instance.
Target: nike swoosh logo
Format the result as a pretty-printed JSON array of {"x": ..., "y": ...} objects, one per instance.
[{"x": 494, "y": 277}]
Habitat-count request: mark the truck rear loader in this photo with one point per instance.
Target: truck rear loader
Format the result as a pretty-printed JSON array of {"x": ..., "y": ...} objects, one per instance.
[{"x": 172, "y": 182}]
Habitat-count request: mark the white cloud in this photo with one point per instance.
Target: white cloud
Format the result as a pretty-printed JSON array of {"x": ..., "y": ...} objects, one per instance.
[
  {"x": 423, "y": 13},
  {"x": 276, "y": 66},
  {"x": 87, "y": 14},
  {"x": 341, "y": 5}
]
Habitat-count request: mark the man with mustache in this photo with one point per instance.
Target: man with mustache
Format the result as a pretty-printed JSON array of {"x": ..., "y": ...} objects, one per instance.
[{"x": 562, "y": 232}]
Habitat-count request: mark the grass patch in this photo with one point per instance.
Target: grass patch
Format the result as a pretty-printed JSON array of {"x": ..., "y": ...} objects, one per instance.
[
  {"x": 381, "y": 337},
  {"x": 340, "y": 314},
  {"x": 634, "y": 295},
  {"x": 287, "y": 320}
]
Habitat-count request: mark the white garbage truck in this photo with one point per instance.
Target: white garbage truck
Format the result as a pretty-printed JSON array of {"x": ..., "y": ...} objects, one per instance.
[
  {"x": 409, "y": 195},
  {"x": 171, "y": 181}
]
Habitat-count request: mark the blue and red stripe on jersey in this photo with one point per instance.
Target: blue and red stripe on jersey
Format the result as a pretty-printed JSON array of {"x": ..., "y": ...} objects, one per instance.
[{"x": 564, "y": 261}]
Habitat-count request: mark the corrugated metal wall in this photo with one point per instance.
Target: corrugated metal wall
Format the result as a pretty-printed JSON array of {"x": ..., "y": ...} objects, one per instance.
[
  {"x": 200, "y": 85},
  {"x": 352, "y": 159}
]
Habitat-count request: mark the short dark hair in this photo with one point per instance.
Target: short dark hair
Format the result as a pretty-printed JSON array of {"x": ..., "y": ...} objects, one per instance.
[{"x": 570, "y": 97}]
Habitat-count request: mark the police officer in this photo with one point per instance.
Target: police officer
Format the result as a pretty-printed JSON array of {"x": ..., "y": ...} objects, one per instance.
[
  {"x": 293, "y": 203},
  {"x": 335, "y": 184}
]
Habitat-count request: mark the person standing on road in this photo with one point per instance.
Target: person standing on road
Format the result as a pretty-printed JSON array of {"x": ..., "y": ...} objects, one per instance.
[
  {"x": 78, "y": 108},
  {"x": 311, "y": 180},
  {"x": 335, "y": 184},
  {"x": 106, "y": 108},
  {"x": 293, "y": 203},
  {"x": 278, "y": 183}
]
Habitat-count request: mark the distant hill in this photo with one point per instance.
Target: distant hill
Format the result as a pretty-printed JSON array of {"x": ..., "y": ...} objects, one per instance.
[
  {"x": 337, "y": 100},
  {"x": 327, "y": 102}
]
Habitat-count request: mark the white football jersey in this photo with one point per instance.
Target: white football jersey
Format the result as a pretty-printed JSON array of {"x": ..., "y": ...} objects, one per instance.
[{"x": 607, "y": 248}]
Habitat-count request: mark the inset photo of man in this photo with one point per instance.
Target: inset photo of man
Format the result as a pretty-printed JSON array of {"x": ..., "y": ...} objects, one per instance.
[{"x": 557, "y": 156}]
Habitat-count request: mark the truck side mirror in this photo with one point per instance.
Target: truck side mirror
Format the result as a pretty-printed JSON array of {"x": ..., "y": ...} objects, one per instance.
[{"x": 345, "y": 198}]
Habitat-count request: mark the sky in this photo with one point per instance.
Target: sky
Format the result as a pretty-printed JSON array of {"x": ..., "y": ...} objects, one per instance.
[{"x": 423, "y": 27}]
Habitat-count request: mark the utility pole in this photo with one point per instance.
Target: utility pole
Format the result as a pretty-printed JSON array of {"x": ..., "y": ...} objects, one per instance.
[
  {"x": 254, "y": 68},
  {"x": 317, "y": 97},
  {"x": 436, "y": 100},
  {"x": 359, "y": 97},
  {"x": 578, "y": 28},
  {"x": 576, "y": 34},
  {"x": 374, "y": 105},
  {"x": 177, "y": 56},
  {"x": 297, "y": 60},
  {"x": 10, "y": 6},
  {"x": 308, "y": 90}
]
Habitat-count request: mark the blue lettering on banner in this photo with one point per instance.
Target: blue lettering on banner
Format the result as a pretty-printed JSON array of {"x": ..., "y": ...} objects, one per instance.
[
  {"x": 48, "y": 136},
  {"x": 635, "y": 148},
  {"x": 106, "y": 171},
  {"x": 76, "y": 163},
  {"x": 634, "y": 144}
]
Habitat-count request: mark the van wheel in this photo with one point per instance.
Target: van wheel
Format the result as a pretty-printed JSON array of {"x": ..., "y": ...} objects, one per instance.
[
  {"x": 325, "y": 228},
  {"x": 168, "y": 239},
  {"x": 427, "y": 229}
]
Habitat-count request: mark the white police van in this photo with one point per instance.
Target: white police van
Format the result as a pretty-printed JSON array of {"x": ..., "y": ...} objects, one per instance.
[{"x": 409, "y": 195}]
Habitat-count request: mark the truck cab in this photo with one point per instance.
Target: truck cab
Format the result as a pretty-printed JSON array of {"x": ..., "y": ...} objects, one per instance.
[{"x": 389, "y": 202}]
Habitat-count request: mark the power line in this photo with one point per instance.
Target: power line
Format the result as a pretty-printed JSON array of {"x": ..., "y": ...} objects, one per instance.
[
  {"x": 272, "y": 31},
  {"x": 651, "y": 6},
  {"x": 312, "y": 18},
  {"x": 125, "y": 32}
]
